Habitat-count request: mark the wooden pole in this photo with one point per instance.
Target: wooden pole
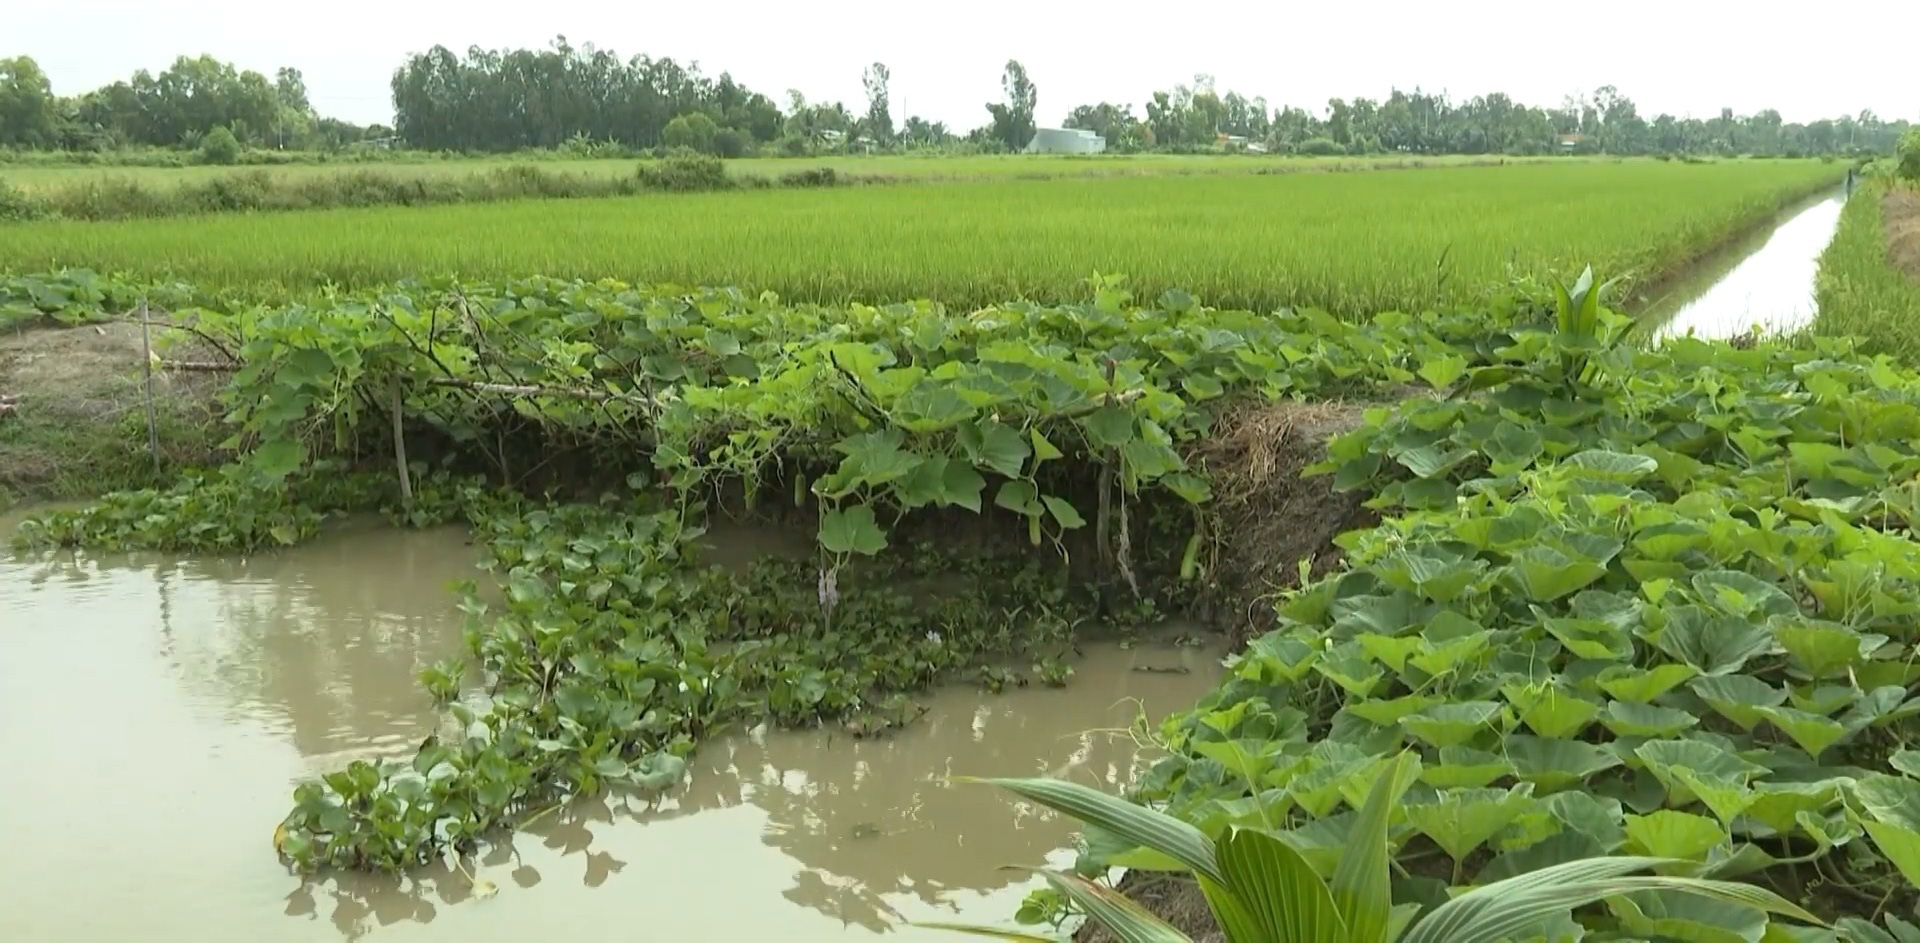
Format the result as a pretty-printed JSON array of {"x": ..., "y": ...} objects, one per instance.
[
  {"x": 399, "y": 441},
  {"x": 146, "y": 365}
]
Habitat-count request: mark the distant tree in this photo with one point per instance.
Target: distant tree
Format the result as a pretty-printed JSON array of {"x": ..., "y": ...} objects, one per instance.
[
  {"x": 920, "y": 132},
  {"x": 28, "y": 110},
  {"x": 1115, "y": 123},
  {"x": 732, "y": 142},
  {"x": 1013, "y": 123},
  {"x": 879, "y": 120},
  {"x": 219, "y": 146},
  {"x": 695, "y": 132}
]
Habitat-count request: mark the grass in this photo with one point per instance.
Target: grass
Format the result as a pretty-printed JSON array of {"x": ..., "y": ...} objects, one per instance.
[
  {"x": 41, "y": 179},
  {"x": 1861, "y": 289},
  {"x": 1348, "y": 242}
]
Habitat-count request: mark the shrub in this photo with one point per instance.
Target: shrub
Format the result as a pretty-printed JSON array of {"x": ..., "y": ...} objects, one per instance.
[
  {"x": 694, "y": 132},
  {"x": 792, "y": 145},
  {"x": 16, "y": 205},
  {"x": 1321, "y": 147},
  {"x": 1909, "y": 166},
  {"x": 811, "y": 177},
  {"x": 732, "y": 142},
  {"x": 220, "y": 147},
  {"x": 684, "y": 172}
]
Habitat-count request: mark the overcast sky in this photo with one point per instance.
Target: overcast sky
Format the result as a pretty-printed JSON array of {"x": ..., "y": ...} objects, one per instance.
[{"x": 1678, "y": 56}]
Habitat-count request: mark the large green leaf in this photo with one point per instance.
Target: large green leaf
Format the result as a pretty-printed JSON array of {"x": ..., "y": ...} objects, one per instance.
[
  {"x": 1641, "y": 685},
  {"x": 1671, "y": 834},
  {"x": 1551, "y": 710},
  {"x": 1715, "y": 644},
  {"x": 1141, "y": 826},
  {"x": 1812, "y": 732},
  {"x": 1552, "y": 764},
  {"x": 1453, "y": 724},
  {"x": 1822, "y": 650},
  {"x": 1546, "y": 574},
  {"x": 1617, "y": 467},
  {"x": 1361, "y": 883},
  {"x": 1279, "y": 891},
  {"x": 1627, "y": 719},
  {"x": 1461, "y": 820},
  {"x": 852, "y": 530},
  {"x": 1892, "y": 806},
  {"x": 1738, "y": 698},
  {"x": 1498, "y": 911}
]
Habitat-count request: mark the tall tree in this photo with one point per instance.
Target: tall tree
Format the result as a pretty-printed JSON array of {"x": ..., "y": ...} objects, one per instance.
[
  {"x": 27, "y": 106},
  {"x": 1013, "y": 119},
  {"x": 879, "y": 120}
]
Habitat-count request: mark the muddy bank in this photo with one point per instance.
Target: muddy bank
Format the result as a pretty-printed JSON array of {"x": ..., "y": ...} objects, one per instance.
[
  {"x": 1266, "y": 517},
  {"x": 1901, "y": 214},
  {"x": 78, "y": 423}
]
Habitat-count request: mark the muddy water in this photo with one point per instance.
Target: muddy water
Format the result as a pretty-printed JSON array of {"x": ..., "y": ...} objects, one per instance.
[
  {"x": 155, "y": 713},
  {"x": 1763, "y": 282}
]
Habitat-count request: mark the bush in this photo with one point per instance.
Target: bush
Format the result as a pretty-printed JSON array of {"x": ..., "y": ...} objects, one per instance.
[
  {"x": 1909, "y": 166},
  {"x": 1321, "y": 147},
  {"x": 685, "y": 172},
  {"x": 792, "y": 145},
  {"x": 693, "y": 132},
  {"x": 732, "y": 142},
  {"x": 16, "y": 205},
  {"x": 220, "y": 147},
  {"x": 811, "y": 177}
]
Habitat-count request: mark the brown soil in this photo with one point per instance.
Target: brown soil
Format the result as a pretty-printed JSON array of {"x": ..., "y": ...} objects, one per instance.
[
  {"x": 79, "y": 417},
  {"x": 1268, "y": 517},
  {"x": 1176, "y": 900},
  {"x": 1901, "y": 212}
]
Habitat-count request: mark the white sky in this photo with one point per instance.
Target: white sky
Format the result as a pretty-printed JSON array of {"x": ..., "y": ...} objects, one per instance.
[{"x": 1679, "y": 56}]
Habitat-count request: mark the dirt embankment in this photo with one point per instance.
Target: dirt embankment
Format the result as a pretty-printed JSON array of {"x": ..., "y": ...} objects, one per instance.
[
  {"x": 1901, "y": 213},
  {"x": 77, "y": 424}
]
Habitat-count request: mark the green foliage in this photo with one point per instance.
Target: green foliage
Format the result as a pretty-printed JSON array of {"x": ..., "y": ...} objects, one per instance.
[
  {"x": 1907, "y": 156},
  {"x": 220, "y": 147},
  {"x": 1320, "y": 147},
  {"x": 1262, "y": 889},
  {"x": 77, "y": 296},
  {"x": 685, "y": 172},
  {"x": 1860, "y": 291},
  {"x": 1680, "y": 580},
  {"x": 694, "y": 132}
]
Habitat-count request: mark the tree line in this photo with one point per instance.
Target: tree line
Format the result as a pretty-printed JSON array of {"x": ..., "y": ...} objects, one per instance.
[
  {"x": 1196, "y": 116},
  {"x": 591, "y": 100}
]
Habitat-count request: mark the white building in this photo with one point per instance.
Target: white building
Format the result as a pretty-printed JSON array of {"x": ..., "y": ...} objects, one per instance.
[{"x": 1066, "y": 141}]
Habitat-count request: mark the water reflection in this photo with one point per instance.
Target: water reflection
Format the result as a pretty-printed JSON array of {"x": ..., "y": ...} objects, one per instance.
[
  {"x": 865, "y": 833},
  {"x": 1769, "y": 287},
  {"x": 221, "y": 682}
]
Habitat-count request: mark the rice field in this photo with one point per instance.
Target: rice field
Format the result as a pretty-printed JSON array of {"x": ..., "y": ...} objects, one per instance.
[
  {"x": 40, "y": 179},
  {"x": 1352, "y": 243}
]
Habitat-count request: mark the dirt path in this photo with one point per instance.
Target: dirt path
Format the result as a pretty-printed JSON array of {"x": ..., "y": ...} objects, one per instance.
[
  {"x": 77, "y": 426},
  {"x": 1902, "y": 215}
]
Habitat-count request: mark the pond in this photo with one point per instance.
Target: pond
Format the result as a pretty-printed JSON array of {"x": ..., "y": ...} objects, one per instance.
[{"x": 156, "y": 712}]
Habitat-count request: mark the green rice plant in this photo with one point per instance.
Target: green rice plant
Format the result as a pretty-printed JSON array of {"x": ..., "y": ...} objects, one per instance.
[
  {"x": 1859, "y": 290},
  {"x": 1355, "y": 244}
]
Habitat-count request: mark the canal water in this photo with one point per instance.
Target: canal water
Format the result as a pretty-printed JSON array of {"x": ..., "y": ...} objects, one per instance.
[
  {"x": 156, "y": 712},
  {"x": 1763, "y": 282}
]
